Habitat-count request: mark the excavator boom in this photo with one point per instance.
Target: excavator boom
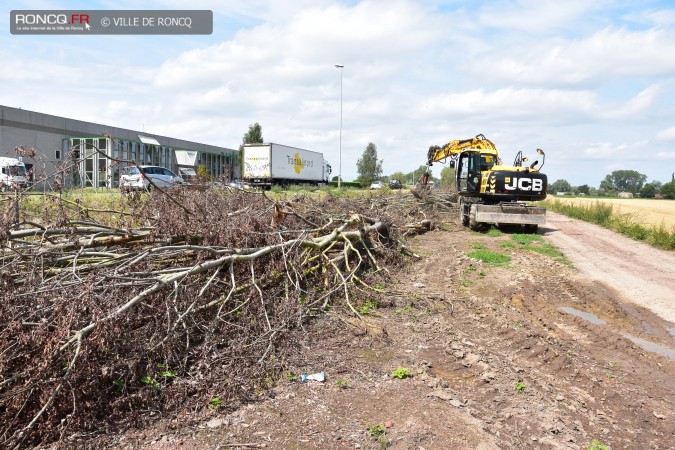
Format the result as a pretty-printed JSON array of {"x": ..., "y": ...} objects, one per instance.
[{"x": 454, "y": 148}]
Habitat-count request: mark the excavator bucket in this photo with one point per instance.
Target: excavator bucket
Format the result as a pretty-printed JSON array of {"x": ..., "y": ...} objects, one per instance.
[{"x": 506, "y": 213}]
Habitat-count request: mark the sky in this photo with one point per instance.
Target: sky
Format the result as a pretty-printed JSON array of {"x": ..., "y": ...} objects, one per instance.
[{"x": 590, "y": 83}]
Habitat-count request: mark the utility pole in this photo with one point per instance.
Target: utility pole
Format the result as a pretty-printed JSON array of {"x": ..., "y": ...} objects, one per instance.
[{"x": 341, "y": 67}]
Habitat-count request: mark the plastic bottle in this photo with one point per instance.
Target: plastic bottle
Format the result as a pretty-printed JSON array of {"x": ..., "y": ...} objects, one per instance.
[{"x": 314, "y": 377}]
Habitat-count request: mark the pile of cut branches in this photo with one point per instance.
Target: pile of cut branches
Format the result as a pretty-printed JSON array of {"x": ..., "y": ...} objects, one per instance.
[{"x": 172, "y": 303}]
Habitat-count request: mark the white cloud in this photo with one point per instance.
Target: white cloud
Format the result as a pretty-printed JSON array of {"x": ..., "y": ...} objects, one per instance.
[
  {"x": 28, "y": 69},
  {"x": 509, "y": 104},
  {"x": 658, "y": 17},
  {"x": 667, "y": 134},
  {"x": 610, "y": 150},
  {"x": 537, "y": 15},
  {"x": 366, "y": 37},
  {"x": 665, "y": 155},
  {"x": 605, "y": 55},
  {"x": 634, "y": 108},
  {"x": 535, "y": 105},
  {"x": 603, "y": 150}
]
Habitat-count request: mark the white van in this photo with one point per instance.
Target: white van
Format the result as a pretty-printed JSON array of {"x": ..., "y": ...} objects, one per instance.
[{"x": 12, "y": 174}]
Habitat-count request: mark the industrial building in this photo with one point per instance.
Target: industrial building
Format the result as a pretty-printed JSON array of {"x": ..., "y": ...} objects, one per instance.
[{"x": 78, "y": 153}]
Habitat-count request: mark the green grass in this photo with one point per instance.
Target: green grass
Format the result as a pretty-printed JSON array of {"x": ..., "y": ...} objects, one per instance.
[
  {"x": 367, "y": 307},
  {"x": 343, "y": 384},
  {"x": 300, "y": 188},
  {"x": 535, "y": 243},
  {"x": 407, "y": 309},
  {"x": 597, "y": 445},
  {"x": 603, "y": 214},
  {"x": 102, "y": 205},
  {"x": 376, "y": 430},
  {"x": 598, "y": 212},
  {"x": 495, "y": 232},
  {"x": 525, "y": 239},
  {"x": 400, "y": 373},
  {"x": 492, "y": 258},
  {"x": 294, "y": 188}
]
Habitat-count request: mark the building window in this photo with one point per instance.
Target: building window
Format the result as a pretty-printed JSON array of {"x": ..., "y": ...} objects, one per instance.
[
  {"x": 75, "y": 149},
  {"x": 89, "y": 145},
  {"x": 57, "y": 154}
]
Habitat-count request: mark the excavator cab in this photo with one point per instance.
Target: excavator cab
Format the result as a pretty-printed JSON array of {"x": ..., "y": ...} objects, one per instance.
[
  {"x": 486, "y": 162},
  {"x": 469, "y": 167}
]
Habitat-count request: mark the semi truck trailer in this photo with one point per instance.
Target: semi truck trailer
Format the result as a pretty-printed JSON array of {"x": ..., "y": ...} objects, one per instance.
[{"x": 266, "y": 164}]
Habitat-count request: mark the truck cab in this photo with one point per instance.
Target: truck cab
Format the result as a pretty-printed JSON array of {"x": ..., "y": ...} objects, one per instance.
[
  {"x": 327, "y": 170},
  {"x": 13, "y": 174}
]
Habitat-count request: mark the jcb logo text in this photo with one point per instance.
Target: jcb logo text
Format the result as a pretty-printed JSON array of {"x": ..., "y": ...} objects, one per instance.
[{"x": 524, "y": 184}]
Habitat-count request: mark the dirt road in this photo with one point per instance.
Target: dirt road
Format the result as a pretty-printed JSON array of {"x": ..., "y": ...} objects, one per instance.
[{"x": 638, "y": 272}]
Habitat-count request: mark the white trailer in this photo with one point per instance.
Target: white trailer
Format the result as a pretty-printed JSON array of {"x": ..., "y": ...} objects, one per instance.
[
  {"x": 267, "y": 164},
  {"x": 12, "y": 174}
]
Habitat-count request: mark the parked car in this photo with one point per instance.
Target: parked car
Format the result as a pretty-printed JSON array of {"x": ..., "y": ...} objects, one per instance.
[
  {"x": 377, "y": 185},
  {"x": 395, "y": 184},
  {"x": 134, "y": 179}
]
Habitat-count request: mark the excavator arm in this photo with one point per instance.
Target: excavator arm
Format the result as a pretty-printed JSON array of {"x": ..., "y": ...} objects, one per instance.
[{"x": 454, "y": 148}]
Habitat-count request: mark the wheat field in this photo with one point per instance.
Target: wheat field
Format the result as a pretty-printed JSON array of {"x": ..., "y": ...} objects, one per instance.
[{"x": 644, "y": 211}]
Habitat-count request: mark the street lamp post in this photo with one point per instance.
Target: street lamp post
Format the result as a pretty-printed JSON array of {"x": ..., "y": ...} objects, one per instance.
[{"x": 341, "y": 67}]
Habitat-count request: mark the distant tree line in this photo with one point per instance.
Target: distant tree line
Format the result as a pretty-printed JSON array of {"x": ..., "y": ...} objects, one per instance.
[{"x": 619, "y": 181}]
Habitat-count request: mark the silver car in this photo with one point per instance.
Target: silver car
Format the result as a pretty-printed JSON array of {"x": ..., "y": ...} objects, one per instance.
[{"x": 134, "y": 179}]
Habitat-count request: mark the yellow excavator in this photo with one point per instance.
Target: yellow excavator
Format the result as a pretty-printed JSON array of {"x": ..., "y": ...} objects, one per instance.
[{"x": 490, "y": 192}]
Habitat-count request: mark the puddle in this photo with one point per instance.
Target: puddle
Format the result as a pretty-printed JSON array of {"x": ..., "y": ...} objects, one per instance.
[
  {"x": 648, "y": 328},
  {"x": 652, "y": 347},
  {"x": 584, "y": 315},
  {"x": 645, "y": 344},
  {"x": 671, "y": 330},
  {"x": 634, "y": 312}
]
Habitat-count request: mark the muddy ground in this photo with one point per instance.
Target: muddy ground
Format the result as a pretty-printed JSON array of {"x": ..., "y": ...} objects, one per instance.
[{"x": 493, "y": 363}]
